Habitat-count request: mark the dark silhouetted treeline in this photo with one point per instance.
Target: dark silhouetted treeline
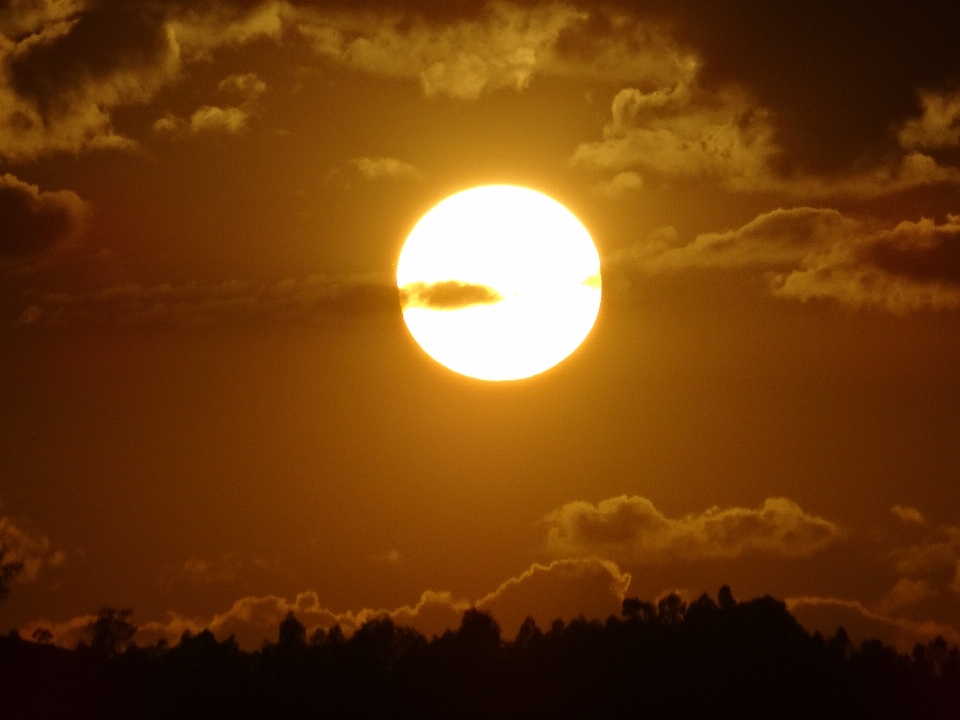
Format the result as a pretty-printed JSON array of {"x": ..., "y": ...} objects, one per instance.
[{"x": 711, "y": 659}]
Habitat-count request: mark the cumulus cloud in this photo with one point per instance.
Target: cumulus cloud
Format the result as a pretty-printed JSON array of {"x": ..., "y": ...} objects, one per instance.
[
  {"x": 937, "y": 127},
  {"x": 195, "y": 304},
  {"x": 211, "y": 118},
  {"x": 562, "y": 589},
  {"x": 678, "y": 132},
  {"x": 447, "y": 295},
  {"x": 503, "y": 47},
  {"x": 631, "y": 529},
  {"x": 687, "y": 132},
  {"x": 68, "y": 65},
  {"x": 32, "y": 549},
  {"x": 376, "y": 168},
  {"x": 34, "y": 220},
  {"x": 246, "y": 89},
  {"x": 819, "y": 253}
]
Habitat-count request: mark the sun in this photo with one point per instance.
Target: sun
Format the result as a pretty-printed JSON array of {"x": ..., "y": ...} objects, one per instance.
[{"x": 499, "y": 282}]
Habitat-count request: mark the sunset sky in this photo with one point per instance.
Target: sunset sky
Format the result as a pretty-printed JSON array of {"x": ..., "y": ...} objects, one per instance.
[{"x": 212, "y": 412}]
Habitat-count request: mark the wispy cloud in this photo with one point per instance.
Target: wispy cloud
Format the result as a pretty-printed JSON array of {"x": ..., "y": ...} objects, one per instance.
[
  {"x": 196, "y": 304},
  {"x": 561, "y": 589},
  {"x": 65, "y": 72},
  {"x": 826, "y": 614},
  {"x": 504, "y": 46},
  {"x": 377, "y": 168},
  {"x": 809, "y": 253},
  {"x": 727, "y": 137}
]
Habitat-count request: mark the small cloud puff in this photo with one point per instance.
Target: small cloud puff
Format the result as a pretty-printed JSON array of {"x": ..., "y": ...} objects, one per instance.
[
  {"x": 908, "y": 514},
  {"x": 377, "y": 168},
  {"x": 246, "y": 89}
]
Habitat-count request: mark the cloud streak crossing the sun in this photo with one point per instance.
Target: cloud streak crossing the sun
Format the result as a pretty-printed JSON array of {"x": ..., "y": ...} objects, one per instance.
[{"x": 447, "y": 295}]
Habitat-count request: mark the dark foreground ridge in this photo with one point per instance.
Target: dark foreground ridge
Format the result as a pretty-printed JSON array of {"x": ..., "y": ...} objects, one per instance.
[{"x": 710, "y": 659}]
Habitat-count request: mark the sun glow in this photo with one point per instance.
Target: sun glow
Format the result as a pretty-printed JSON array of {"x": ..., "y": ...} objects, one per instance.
[{"x": 499, "y": 282}]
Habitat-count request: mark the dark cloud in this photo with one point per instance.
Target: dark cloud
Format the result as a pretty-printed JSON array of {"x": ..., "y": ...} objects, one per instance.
[
  {"x": 107, "y": 37},
  {"x": 35, "y": 220},
  {"x": 838, "y": 76},
  {"x": 923, "y": 251},
  {"x": 447, "y": 295}
]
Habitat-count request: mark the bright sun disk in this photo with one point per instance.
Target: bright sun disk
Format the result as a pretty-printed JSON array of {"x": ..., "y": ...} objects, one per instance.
[{"x": 499, "y": 282}]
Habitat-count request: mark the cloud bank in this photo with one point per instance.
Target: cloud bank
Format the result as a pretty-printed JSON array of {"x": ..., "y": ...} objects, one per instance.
[
  {"x": 809, "y": 253},
  {"x": 631, "y": 529}
]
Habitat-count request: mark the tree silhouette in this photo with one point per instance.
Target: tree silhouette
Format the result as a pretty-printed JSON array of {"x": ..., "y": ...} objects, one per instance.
[
  {"x": 665, "y": 661},
  {"x": 8, "y": 571},
  {"x": 111, "y": 633},
  {"x": 725, "y": 598},
  {"x": 293, "y": 634}
]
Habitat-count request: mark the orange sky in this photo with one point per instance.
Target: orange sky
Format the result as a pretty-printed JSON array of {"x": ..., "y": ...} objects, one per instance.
[{"x": 212, "y": 412}]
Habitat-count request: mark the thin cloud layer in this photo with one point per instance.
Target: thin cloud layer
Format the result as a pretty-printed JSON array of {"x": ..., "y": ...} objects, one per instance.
[
  {"x": 826, "y": 614},
  {"x": 194, "y": 305},
  {"x": 377, "y": 168},
  {"x": 562, "y": 589},
  {"x": 34, "y": 220},
  {"x": 447, "y": 295},
  {"x": 631, "y": 529},
  {"x": 925, "y": 550},
  {"x": 811, "y": 253}
]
